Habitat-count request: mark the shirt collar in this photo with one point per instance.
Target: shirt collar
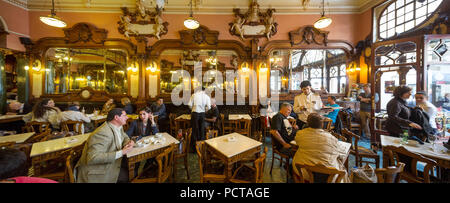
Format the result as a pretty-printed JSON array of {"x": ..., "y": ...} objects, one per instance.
[{"x": 115, "y": 127}]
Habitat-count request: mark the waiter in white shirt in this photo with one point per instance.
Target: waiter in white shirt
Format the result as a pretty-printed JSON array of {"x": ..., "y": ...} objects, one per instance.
[
  {"x": 306, "y": 103},
  {"x": 200, "y": 102}
]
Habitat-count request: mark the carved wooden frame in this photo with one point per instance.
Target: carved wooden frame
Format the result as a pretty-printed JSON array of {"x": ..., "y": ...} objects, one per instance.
[{"x": 81, "y": 35}]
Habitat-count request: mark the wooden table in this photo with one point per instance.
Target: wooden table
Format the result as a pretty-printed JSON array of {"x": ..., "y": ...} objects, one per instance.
[
  {"x": 48, "y": 150},
  {"x": 10, "y": 118},
  {"x": 441, "y": 154},
  {"x": 17, "y": 138},
  {"x": 232, "y": 151},
  {"x": 97, "y": 119},
  {"x": 139, "y": 154},
  {"x": 182, "y": 121},
  {"x": 233, "y": 117}
]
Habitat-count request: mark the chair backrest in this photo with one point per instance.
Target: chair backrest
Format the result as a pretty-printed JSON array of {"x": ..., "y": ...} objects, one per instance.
[
  {"x": 222, "y": 123},
  {"x": 390, "y": 174},
  {"x": 259, "y": 166},
  {"x": 172, "y": 122},
  {"x": 401, "y": 154},
  {"x": 339, "y": 137},
  {"x": 127, "y": 125},
  {"x": 292, "y": 121},
  {"x": 243, "y": 125},
  {"x": 37, "y": 127},
  {"x": 351, "y": 138},
  {"x": 38, "y": 137},
  {"x": 331, "y": 172},
  {"x": 212, "y": 134},
  {"x": 186, "y": 141},
  {"x": 72, "y": 126},
  {"x": 346, "y": 118},
  {"x": 327, "y": 123},
  {"x": 258, "y": 136},
  {"x": 165, "y": 163},
  {"x": 71, "y": 161}
]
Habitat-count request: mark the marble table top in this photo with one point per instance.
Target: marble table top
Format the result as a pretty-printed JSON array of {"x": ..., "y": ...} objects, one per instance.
[
  {"x": 239, "y": 116},
  {"x": 49, "y": 146},
  {"x": 152, "y": 146},
  {"x": 440, "y": 151},
  {"x": 4, "y": 117},
  {"x": 230, "y": 148},
  {"x": 184, "y": 117},
  {"x": 17, "y": 138}
]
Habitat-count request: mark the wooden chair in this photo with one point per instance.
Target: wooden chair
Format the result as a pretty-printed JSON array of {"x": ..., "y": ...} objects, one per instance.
[
  {"x": 185, "y": 141},
  {"x": 265, "y": 126},
  {"x": 331, "y": 172},
  {"x": 358, "y": 151},
  {"x": 227, "y": 127},
  {"x": 38, "y": 137},
  {"x": 161, "y": 173},
  {"x": 207, "y": 174},
  {"x": 212, "y": 134},
  {"x": 173, "y": 124},
  {"x": 127, "y": 125},
  {"x": 390, "y": 174},
  {"x": 243, "y": 127},
  {"x": 249, "y": 174},
  {"x": 54, "y": 169},
  {"x": 347, "y": 121},
  {"x": 410, "y": 174},
  {"x": 72, "y": 126},
  {"x": 282, "y": 158},
  {"x": 71, "y": 161},
  {"x": 37, "y": 127},
  {"x": 327, "y": 124}
]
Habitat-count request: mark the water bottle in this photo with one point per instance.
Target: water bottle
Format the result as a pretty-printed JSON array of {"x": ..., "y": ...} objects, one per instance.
[
  {"x": 83, "y": 111},
  {"x": 405, "y": 137}
]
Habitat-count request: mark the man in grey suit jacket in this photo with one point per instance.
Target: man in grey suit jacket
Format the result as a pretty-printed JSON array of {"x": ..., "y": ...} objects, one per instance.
[{"x": 101, "y": 160}]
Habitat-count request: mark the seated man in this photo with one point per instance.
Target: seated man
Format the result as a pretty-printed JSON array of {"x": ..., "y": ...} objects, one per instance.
[
  {"x": 13, "y": 168},
  {"x": 318, "y": 147},
  {"x": 17, "y": 108},
  {"x": 102, "y": 159},
  {"x": 282, "y": 131},
  {"x": 73, "y": 113},
  {"x": 212, "y": 115},
  {"x": 159, "y": 109},
  {"x": 334, "y": 112}
]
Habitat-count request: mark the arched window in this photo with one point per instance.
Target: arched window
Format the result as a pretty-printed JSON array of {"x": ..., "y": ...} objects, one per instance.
[{"x": 403, "y": 15}]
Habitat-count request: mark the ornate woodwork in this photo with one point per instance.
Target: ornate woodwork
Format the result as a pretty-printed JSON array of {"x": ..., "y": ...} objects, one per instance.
[
  {"x": 83, "y": 32},
  {"x": 309, "y": 35},
  {"x": 199, "y": 36}
]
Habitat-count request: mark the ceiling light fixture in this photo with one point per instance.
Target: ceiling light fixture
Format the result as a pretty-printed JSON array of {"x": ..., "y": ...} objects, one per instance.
[
  {"x": 191, "y": 23},
  {"x": 323, "y": 21},
  {"x": 52, "y": 19}
]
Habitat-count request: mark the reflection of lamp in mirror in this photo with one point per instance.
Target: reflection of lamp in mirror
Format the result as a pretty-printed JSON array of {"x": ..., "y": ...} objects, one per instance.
[
  {"x": 263, "y": 67},
  {"x": 26, "y": 67},
  {"x": 275, "y": 57},
  {"x": 212, "y": 59}
]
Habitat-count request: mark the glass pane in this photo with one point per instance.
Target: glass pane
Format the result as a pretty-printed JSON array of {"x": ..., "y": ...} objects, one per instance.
[
  {"x": 399, "y": 3},
  {"x": 333, "y": 71},
  {"x": 316, "y": 83},
  {"x": 411, "y": 80},
  {"x": 439, "y": 86},
  {"x": 409, "y": 16},
  {"x": 399, "y": 29},
  {"x": 409, "y": 25},
  {"x": 383, "y": 19},
  {"x": 401, "y": 11},
  {"x": 409, "y": 7},
  {"x": 391, "y": 16},
  {"x": 421, "y": 12},
  {"x": 389, "y": 80},
  {"x": 391, "y": 24},
  {"x": 400, "y": 20},
  {"x": 343, "y": 82},
  {"x": 342, "y": 70},
  {"x": 420, "y": 20},
  {"x": 296, "y": 79},
  {"x": 275, "y": 81},
  {"x": 383, "y": 27},
  {"x": 433, "y": 6},
  {"x": 316, "y": 72},
  {"x": 391, "y": 32}
]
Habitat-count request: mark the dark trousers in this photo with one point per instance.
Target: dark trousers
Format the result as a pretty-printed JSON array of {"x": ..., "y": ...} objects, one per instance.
[
  {"x": 123, "y": 175},
  {"x": 198, "y": 126}
]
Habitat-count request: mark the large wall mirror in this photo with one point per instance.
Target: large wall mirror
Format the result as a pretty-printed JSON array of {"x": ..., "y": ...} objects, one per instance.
[
  {"x": 213, "y": 63},
  {"x": 325, "y": 68},
  {"x": 70, "y": 69}
]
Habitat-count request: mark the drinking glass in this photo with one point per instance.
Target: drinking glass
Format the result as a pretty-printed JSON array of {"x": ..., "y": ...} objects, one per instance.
[{"x": 432, "y": 139}]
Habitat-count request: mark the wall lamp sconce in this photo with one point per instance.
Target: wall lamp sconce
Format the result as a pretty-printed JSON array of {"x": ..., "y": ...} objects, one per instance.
[
  {"x": 263, "y": 67},
  {"x": 245, "y": 67},
  {"x": 153, "y": 67}
]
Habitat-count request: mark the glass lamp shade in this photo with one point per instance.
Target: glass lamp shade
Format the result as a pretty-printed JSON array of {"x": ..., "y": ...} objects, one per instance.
[
  {"x": 191, "y": 23},
  {"x": 53, "y": 20},
  {"x": 323, "y": 22}
]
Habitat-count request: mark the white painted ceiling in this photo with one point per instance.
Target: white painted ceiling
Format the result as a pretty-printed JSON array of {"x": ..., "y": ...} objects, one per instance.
[{"x": 203, "y": 6}]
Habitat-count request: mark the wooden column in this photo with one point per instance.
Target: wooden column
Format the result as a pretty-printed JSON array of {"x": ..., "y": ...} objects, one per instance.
[{"x": 141, "y": 56}]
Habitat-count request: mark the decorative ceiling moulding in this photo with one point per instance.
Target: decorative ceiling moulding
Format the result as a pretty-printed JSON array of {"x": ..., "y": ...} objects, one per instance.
[
  {"x": 283, "y": 7},
  {"x": 142, "y": 22},
  {"x": 19, "y": 3},
  {"x": 254, "y": 23}
]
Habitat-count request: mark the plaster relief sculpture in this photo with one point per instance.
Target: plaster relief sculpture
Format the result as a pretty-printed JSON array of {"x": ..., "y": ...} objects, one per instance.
[
  {"x": 142, "y": 22},
  {"x": 254, "y": 23}
]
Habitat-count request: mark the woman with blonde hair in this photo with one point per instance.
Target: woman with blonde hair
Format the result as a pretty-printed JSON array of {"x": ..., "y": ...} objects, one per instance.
[
  {"x": 127, "y": 105},
  {"x": 108, "y": 106}
]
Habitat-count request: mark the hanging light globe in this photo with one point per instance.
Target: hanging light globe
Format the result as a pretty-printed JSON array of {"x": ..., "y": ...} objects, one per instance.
[
  {"x": 52, "y": 19},
  {"x": 323, "y": 22},
  {"x": 191, "y": 23}
]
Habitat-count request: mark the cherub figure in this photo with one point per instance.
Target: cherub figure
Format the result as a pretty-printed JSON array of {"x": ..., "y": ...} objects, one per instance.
[
  {"x": 269, "y": 25},
  {"x": 126, "y": 21},
  {"x": 237, "y": 25},
  {"x": 159, "y": 27}
]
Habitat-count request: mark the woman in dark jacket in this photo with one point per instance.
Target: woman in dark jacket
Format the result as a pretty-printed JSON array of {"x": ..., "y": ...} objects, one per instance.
[
  {"x": 127, "y": 106},
  {"x": 144, "y": 126},
  {"x": 399, "y": 113}
]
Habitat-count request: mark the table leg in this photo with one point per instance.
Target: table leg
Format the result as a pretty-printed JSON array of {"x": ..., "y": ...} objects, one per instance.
[
  {"x": 228, "y": 171},
  {"x": 131, "y": 170}
]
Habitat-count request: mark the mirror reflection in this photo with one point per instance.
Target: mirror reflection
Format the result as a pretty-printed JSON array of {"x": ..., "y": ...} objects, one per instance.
[
  {"x": 69, "y": 69},
  {"x": 325, "y": 68},
  {"x": 213, "y": 63}
]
